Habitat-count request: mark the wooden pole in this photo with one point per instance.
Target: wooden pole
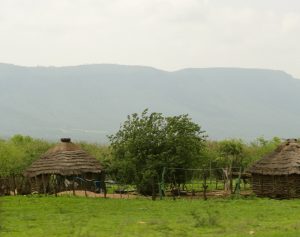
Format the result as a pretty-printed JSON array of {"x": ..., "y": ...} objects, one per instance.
[
  {"x": 230, "y": 178},
  {"x": 273, "y": 185},
  {"x": 55, "y": 192},
  {"x": 210, "y": 173},
  {"x": 153, "y": 189},
  {"x": 54, "y": 184},
  {"x": 288, "y": 186},
  {"x": 36, "y": 184},
  {"x": 44, "y": 184},
  {"x": 14, "y": 183},
  {"x": 30, "y": 185},
  {"x": 225, "y": 181},
  {"x": 102, "y": 176},
  {"x": 23, "y": 185},
  {"x": 105, "y": 190},
  {"x": 73, "y": 185},
  {"x": 162, "y": 184},
  {"x": 238, "y": 184},
  {"x": 84, "y": 183},
  {"x": 262, "y": 183},
  {"x": 205, "y": 186}
]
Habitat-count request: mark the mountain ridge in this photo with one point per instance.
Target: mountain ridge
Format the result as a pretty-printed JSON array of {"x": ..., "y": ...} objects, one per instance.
[
  {"x": 88, "y": 102},
  {"x": 146, "y": 67}
]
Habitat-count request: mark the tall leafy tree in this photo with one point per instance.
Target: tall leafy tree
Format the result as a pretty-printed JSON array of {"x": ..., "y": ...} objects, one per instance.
[{"x": 148, "y": 142}]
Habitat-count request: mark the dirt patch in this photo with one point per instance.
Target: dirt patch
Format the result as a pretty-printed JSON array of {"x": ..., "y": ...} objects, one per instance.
[{"x": 81, "y": 193}]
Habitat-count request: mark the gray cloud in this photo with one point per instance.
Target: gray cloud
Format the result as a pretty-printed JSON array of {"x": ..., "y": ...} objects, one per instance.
[{"x": 168, "y": 34}]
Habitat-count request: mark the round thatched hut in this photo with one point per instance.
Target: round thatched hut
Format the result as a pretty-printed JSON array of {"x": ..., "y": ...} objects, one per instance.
[
  {"x": 277, "y": 175},
  {"x": 64, "y": 167}
]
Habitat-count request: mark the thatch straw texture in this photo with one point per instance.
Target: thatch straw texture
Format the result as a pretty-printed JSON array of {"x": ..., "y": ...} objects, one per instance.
[
  {"x": 278, "y": 174},
  {"x": 64, "y": 159},
  {"x": 285, "y": 160}
]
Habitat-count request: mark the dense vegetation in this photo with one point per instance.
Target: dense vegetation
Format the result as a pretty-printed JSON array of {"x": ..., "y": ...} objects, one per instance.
[
  {"x": 75, "y": 216},
  {"x": 143, "y": 146},
  {"x": 147, "y": 143},
  {"x": 18, "y": 152}
]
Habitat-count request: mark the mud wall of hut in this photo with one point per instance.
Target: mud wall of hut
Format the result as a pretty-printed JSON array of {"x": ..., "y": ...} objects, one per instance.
[{"x": 276, "y": 186}]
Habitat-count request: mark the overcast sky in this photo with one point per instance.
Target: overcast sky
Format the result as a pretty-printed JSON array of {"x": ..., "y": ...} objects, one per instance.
[{"x": 167, "y": 34}]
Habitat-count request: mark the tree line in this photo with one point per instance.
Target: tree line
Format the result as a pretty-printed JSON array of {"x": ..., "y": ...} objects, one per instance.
[{"x": 143, "y": 146}]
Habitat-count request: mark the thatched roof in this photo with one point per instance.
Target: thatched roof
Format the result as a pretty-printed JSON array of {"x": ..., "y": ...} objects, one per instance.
[
  {"x": 66, "y": 158},
  {"x": 285, "y": 160}
]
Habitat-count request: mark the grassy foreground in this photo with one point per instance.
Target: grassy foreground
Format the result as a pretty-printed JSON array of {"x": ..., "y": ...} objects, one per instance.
[{"x": 77, "y": 216}]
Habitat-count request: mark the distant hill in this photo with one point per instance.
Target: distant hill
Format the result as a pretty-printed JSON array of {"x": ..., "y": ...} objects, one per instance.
[{"x": 89, "y": 102}]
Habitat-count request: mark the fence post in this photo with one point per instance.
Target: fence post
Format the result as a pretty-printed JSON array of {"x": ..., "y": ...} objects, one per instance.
[
  {"x": 238, "y": 184},
  {"x": 162, "y": 184},
  {"x": 84, "y": 183},
  {"x": 103, "y": 184},
  {"x": 73, "y": 185},
  {"x": 14, "y": 184},
  {"x": 44, "y": 184},
  {"x": 205, "y": 186}
]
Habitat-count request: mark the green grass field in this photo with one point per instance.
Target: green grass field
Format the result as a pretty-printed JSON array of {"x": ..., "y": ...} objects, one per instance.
[{"x": 77, "y": 216}]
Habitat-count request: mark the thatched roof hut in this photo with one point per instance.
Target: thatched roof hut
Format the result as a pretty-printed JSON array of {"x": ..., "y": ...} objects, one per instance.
[
  {"x": 278, "y": 174},
  {"x": 66, "y": 160}
]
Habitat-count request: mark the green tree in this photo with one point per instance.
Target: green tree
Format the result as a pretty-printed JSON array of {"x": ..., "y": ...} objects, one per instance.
[
  {"x": 258, "y": 149},
  {"x": 148, "y": 142},
  {"x": 30, "y": 150},
  {"x": 232, "y": 153},
  {"x": 17, "y": 153}
]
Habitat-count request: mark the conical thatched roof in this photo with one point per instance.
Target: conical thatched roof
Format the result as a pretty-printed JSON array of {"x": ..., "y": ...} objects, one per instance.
[
  {"x": 65, "y": 158},
  {"x": 285, "y": 160}
]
